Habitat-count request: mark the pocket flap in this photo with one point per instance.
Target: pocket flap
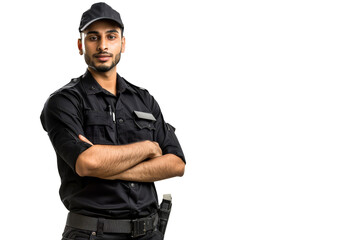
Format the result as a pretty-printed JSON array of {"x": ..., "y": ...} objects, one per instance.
[{"x": 142, "y": 124}]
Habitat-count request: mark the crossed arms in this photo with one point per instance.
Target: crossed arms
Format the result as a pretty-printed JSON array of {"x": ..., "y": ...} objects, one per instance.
[{"x": 140, "y": 162}]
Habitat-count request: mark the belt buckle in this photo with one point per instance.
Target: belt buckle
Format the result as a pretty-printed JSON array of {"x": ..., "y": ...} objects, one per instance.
[{"x": 138, "y": 228}]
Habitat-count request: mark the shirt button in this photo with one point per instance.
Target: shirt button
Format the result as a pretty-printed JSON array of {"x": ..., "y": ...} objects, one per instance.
[
  {"x": 93, "y": 88},
  {"x": 121, "y": 120},
  {"x": 132, "y": 185}
]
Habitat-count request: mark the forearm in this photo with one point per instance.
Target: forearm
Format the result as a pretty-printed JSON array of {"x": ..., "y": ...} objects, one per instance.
[
  {"x": 103, "y": 161},
  {"x": 159, "y": 168}
]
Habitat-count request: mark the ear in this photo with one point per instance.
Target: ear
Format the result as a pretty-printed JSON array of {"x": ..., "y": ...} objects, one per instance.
[
  {"x": 123, "y": 44},
  {"x": 79, "y": 43}
]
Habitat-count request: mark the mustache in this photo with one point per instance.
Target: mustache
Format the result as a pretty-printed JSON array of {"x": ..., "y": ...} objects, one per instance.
[{"x": 101, "y": 54}]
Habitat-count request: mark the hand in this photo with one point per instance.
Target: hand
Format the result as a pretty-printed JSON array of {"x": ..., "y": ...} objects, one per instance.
[
  {"x": 84, "y": 139},
  {"x": 155, "y": 150}
]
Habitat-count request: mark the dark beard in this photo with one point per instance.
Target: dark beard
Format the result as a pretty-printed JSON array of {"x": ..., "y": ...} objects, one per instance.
[{"x": 102, "y": 68}]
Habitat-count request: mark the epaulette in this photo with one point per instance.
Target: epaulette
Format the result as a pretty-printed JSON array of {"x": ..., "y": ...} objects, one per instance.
[
  {"x": 134, "y": 86},
  {"x": 69, "y": 85}
]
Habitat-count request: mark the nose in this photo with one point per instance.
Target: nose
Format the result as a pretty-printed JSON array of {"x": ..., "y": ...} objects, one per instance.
[{"x": 102, "y": 45}]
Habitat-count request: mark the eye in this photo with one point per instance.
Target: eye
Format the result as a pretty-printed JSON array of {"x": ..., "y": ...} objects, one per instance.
[
  {"x": 111, "y": 37},
  {"x": 93, "y": 38}
]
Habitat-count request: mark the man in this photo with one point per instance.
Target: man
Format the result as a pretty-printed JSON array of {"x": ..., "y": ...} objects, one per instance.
[{"x": 110, "y": 139}]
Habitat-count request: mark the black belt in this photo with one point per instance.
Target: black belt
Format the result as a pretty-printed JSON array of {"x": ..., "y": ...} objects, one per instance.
[{"x": 137, "y": 227}]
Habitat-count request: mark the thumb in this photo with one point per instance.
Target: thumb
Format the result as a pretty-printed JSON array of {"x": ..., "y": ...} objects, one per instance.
[{"x": 84, "y": 139}]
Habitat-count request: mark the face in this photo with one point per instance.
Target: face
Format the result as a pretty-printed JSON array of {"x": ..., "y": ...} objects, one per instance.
[{"x": 103, "y": 45}]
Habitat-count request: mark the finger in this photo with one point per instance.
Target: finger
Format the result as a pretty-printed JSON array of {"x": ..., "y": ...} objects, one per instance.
[{"x": 84, "y": 139}]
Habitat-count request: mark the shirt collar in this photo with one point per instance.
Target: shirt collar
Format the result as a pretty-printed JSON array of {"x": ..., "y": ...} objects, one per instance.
[{"x": 91, "y": 86}]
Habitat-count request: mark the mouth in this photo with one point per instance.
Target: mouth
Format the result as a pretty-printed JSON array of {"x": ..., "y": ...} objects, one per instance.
[{"x": 103, "y": 57}]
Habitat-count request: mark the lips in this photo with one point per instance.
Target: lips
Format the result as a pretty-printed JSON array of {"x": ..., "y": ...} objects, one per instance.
[{"x": 103, "y": 57}]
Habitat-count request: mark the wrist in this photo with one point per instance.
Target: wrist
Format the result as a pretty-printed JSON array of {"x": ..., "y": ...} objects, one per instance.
[{"x": 151, "y": 149}]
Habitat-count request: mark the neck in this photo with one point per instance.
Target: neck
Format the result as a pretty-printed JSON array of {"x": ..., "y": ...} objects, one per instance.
[{"x": 107, "y": 80}]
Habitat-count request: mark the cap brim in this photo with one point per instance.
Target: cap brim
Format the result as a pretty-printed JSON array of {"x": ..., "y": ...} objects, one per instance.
[{"x": 100, "y": 18}]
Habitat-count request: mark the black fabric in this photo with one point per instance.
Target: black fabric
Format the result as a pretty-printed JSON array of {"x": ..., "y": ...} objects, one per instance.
[
  {"x": 84, "y": 107},
  {"x": 78, "y": 234},
  {"x": 99, "y": 11}
]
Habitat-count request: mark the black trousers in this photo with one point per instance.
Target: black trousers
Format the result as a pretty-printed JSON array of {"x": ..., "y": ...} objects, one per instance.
[{"x": 79, "y": 234}]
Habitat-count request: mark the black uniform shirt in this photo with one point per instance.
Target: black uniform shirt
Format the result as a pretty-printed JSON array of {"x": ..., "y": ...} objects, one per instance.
[{"x": 84, "y": 107}]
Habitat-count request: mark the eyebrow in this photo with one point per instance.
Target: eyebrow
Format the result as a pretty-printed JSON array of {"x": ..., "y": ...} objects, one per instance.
[
  {"x": 115, "y": 31},
  {"x": 96, "y": 32}
]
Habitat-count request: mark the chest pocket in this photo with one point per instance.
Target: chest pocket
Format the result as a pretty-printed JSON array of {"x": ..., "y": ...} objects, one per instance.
[
  {"x": 99, "y": 127},
  {"x": 144, "y": 126}
]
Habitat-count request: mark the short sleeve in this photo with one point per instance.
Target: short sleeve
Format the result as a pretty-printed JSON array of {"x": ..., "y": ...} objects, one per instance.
[
  {"x": 165, "y": 134},
  {"x": 171, "y": 142},
  {"x": 62, "y": 119}
]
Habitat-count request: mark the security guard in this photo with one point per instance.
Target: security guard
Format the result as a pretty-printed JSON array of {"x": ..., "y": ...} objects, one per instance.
[{"x": 110, "y": 139}]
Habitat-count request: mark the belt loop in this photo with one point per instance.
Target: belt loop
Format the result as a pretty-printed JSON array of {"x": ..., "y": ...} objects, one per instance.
[{"x": 100, "y": 227}]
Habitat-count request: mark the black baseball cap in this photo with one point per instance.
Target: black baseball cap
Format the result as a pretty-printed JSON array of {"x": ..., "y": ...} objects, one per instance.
[{"x": 97, "y": 12}]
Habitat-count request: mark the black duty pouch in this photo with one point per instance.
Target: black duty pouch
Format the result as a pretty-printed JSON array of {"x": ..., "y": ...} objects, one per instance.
[{"x": 164, "y": 212}]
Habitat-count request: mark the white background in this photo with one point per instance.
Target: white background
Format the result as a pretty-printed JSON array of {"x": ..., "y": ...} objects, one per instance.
[{"x": 264, "y": 96}]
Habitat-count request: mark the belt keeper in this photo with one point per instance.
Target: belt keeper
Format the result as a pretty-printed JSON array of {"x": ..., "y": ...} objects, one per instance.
[{"x": 100, "y": 226}]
